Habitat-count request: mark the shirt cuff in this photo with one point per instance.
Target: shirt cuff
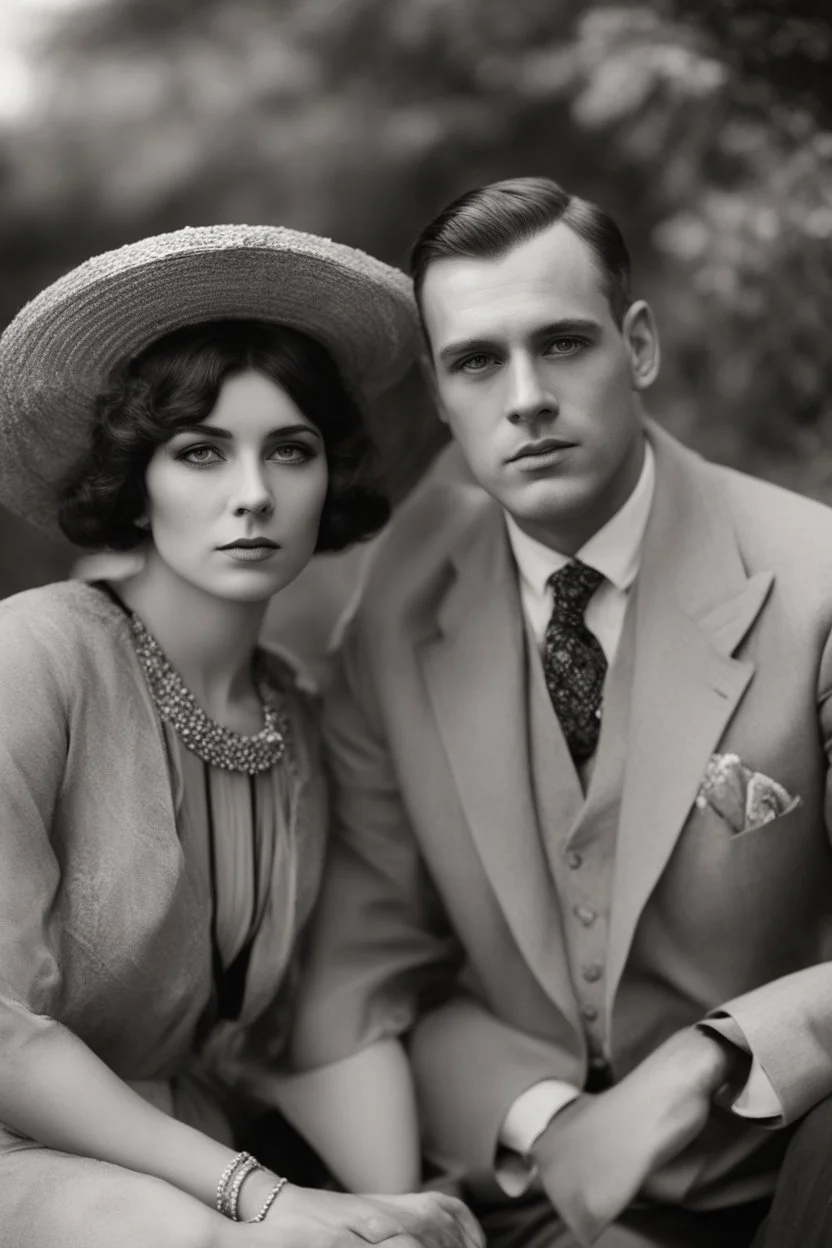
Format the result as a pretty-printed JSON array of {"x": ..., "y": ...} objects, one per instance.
[
  {"x": 754, "y": 1097},
  {"x": 528, "y": 1117}
]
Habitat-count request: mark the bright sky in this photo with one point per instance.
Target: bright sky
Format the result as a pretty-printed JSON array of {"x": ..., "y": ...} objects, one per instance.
[{"x": 19, "y": 20}]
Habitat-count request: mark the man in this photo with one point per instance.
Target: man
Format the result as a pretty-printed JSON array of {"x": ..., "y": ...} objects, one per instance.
[{"x": 578, "y": 745}]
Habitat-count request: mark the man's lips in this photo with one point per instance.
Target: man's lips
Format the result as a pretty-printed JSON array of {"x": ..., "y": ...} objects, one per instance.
[
  {"x": 250, "y": 543},
  {"x": 536, "y": 450}
]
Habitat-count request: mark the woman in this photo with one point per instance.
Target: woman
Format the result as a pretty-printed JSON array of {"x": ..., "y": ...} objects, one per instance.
[{"x": 162, "y": 814}]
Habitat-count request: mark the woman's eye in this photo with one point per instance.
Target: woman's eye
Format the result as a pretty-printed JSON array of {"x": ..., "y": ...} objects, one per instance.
[
  {"x": 291, "y": 453},
  {"x": 200, "y": 455}
]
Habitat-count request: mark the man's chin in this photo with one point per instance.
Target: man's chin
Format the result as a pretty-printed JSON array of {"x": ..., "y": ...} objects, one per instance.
[
  {"x": 559, "y": 518},
  {"x": 554, "y": 504}
]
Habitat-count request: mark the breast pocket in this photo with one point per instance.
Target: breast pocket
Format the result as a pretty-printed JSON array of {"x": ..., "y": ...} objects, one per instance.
[
  {"x": 763, "y": 891},
  {"x": 712, "y": 845},
  {"x": 783, "y": 835},
  {"x": 775, "y": 876}
]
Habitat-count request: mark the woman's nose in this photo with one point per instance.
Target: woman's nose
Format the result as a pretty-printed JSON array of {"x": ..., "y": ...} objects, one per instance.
[{"x": 253, "y": 494}]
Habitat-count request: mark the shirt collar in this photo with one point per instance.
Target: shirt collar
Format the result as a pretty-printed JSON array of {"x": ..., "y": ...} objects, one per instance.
[{"x": 614, "y": 551}]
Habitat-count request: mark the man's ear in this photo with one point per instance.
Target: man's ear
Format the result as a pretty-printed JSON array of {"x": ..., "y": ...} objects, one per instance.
[{"x": 642, "y": 341}]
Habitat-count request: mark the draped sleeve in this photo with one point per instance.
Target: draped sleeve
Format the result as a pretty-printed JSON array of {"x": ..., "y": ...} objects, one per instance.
[{"x": 34, "y": 739}]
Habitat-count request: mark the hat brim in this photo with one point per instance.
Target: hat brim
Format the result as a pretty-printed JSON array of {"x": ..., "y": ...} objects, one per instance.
[{"x": 59, "y": 352}]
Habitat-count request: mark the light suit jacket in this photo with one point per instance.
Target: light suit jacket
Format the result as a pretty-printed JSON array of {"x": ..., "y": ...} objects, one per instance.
[{"x": 439, "y": 909}]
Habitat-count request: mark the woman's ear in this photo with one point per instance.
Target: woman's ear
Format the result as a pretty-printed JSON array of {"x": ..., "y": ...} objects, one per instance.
[{"x": 642, "y": 340}]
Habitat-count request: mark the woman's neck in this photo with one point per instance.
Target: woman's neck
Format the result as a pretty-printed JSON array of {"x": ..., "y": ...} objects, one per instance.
[{"x": 209, "y": 640}]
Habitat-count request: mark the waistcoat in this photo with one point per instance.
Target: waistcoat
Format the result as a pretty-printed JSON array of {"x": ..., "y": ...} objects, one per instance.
[{"x": 578, "y": 825}]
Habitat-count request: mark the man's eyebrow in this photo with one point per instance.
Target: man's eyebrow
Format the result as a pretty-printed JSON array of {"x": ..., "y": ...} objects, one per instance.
[
  {"x": 568, "y": 325},
  {"x": 466, "y": 346}
]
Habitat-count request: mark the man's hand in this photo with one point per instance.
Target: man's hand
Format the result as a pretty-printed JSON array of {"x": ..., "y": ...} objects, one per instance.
[{"x": 596, "y": 1154}]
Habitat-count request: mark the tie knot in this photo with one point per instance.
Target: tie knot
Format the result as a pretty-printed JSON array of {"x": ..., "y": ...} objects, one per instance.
[{"x": 572, "y": 587}]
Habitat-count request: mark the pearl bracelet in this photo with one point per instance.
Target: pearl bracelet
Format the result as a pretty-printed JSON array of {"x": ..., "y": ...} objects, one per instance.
[
  {"x": 226, "y": 1175},
  {"x": 268, "y": 1202},
  {"x": 231, "y": 1181},
  {"x": 240, "y": 1177}
]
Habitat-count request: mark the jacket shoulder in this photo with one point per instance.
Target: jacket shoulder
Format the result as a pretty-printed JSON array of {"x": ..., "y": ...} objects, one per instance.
[
  {"x": 777, "y": 527},
  {"x": 411, "y": 560}
]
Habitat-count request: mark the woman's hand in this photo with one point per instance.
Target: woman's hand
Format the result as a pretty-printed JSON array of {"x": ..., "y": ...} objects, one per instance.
[{"x": 304, "y": 1217}]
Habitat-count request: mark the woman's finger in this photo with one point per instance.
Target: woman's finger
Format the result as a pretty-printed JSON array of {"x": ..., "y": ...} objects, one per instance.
[
  {"x": 377, "y": 1220},
  {"x": 420, "y": 1217},
  {"x": 370, "y": 1221},
  {"x": 446, "y": 1221},
  {"x": 376, "y": 1226},
  {"x": 473, "y": 1232},
  {"x": 292, "y": 1232}
]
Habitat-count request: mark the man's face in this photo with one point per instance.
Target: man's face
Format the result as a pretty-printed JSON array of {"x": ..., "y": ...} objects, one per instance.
[{"x": 537, "y": 382}]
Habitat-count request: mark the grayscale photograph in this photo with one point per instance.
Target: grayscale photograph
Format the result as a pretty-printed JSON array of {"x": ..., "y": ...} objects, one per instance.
[{"x": 415, "y": 624}]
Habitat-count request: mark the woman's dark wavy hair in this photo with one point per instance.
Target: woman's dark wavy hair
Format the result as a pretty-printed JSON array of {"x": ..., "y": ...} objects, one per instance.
[{"x": 175, "y": 382}]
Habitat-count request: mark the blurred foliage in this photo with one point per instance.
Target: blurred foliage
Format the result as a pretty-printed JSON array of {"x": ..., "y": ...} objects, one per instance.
[{"x": 706, "y": 129}]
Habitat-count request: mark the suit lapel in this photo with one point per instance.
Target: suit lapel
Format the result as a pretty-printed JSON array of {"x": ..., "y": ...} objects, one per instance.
[
  {"x": 474, "y": 668},
  {"x": 694, "y": 604}
]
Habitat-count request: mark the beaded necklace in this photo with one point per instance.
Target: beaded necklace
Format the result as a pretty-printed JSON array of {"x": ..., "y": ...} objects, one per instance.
[{"x": 210, "y": 741}]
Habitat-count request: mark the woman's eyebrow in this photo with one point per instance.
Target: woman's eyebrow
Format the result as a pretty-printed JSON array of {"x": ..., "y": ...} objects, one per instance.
[
  {"x": 211, "y": 430},
  {"x": 285, "y": 430},
  {"x": 214, "y": 431}
]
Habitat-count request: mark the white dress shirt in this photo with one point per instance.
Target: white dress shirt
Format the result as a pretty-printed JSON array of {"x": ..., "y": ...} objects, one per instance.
[{"x": 615, "y": 552}]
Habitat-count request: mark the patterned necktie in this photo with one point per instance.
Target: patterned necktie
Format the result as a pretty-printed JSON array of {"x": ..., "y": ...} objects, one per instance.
[{"x": 573, "y": 661}]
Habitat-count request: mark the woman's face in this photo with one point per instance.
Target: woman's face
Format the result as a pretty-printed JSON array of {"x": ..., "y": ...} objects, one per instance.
[{"x": 234, "y": 503}]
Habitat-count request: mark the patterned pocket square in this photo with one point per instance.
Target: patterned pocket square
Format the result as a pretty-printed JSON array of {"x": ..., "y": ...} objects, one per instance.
[{"x": 745, "y": 799}]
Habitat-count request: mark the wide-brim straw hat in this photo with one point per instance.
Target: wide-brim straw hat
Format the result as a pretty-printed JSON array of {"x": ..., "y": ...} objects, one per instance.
[{"x": 59, "y": 352}]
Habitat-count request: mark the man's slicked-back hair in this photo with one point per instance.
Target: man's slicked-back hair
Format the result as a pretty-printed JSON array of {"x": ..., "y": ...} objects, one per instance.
[{"x": 490, "y": 220}]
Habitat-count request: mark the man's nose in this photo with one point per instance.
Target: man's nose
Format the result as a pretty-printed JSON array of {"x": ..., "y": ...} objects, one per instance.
[
  {"x": 528, "y": 398},
  {"x": 253, "y": 493}
]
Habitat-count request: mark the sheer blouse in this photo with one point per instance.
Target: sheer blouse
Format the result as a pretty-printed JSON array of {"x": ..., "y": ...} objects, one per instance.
[{"x": 235, "y": 832}]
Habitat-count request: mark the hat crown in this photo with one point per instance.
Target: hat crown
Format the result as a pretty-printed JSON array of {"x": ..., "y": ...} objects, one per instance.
[{"x": 60, "y": 350}]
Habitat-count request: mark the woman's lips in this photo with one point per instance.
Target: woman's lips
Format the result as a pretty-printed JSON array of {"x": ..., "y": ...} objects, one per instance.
[{"x": 249, "y": 554}]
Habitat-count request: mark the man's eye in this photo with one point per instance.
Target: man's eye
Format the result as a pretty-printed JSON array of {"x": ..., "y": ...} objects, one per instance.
[
  {"x": 565, "y": 346},
  {"x": 475, "y": 363},
  {"x": 200, "y": 455}
]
